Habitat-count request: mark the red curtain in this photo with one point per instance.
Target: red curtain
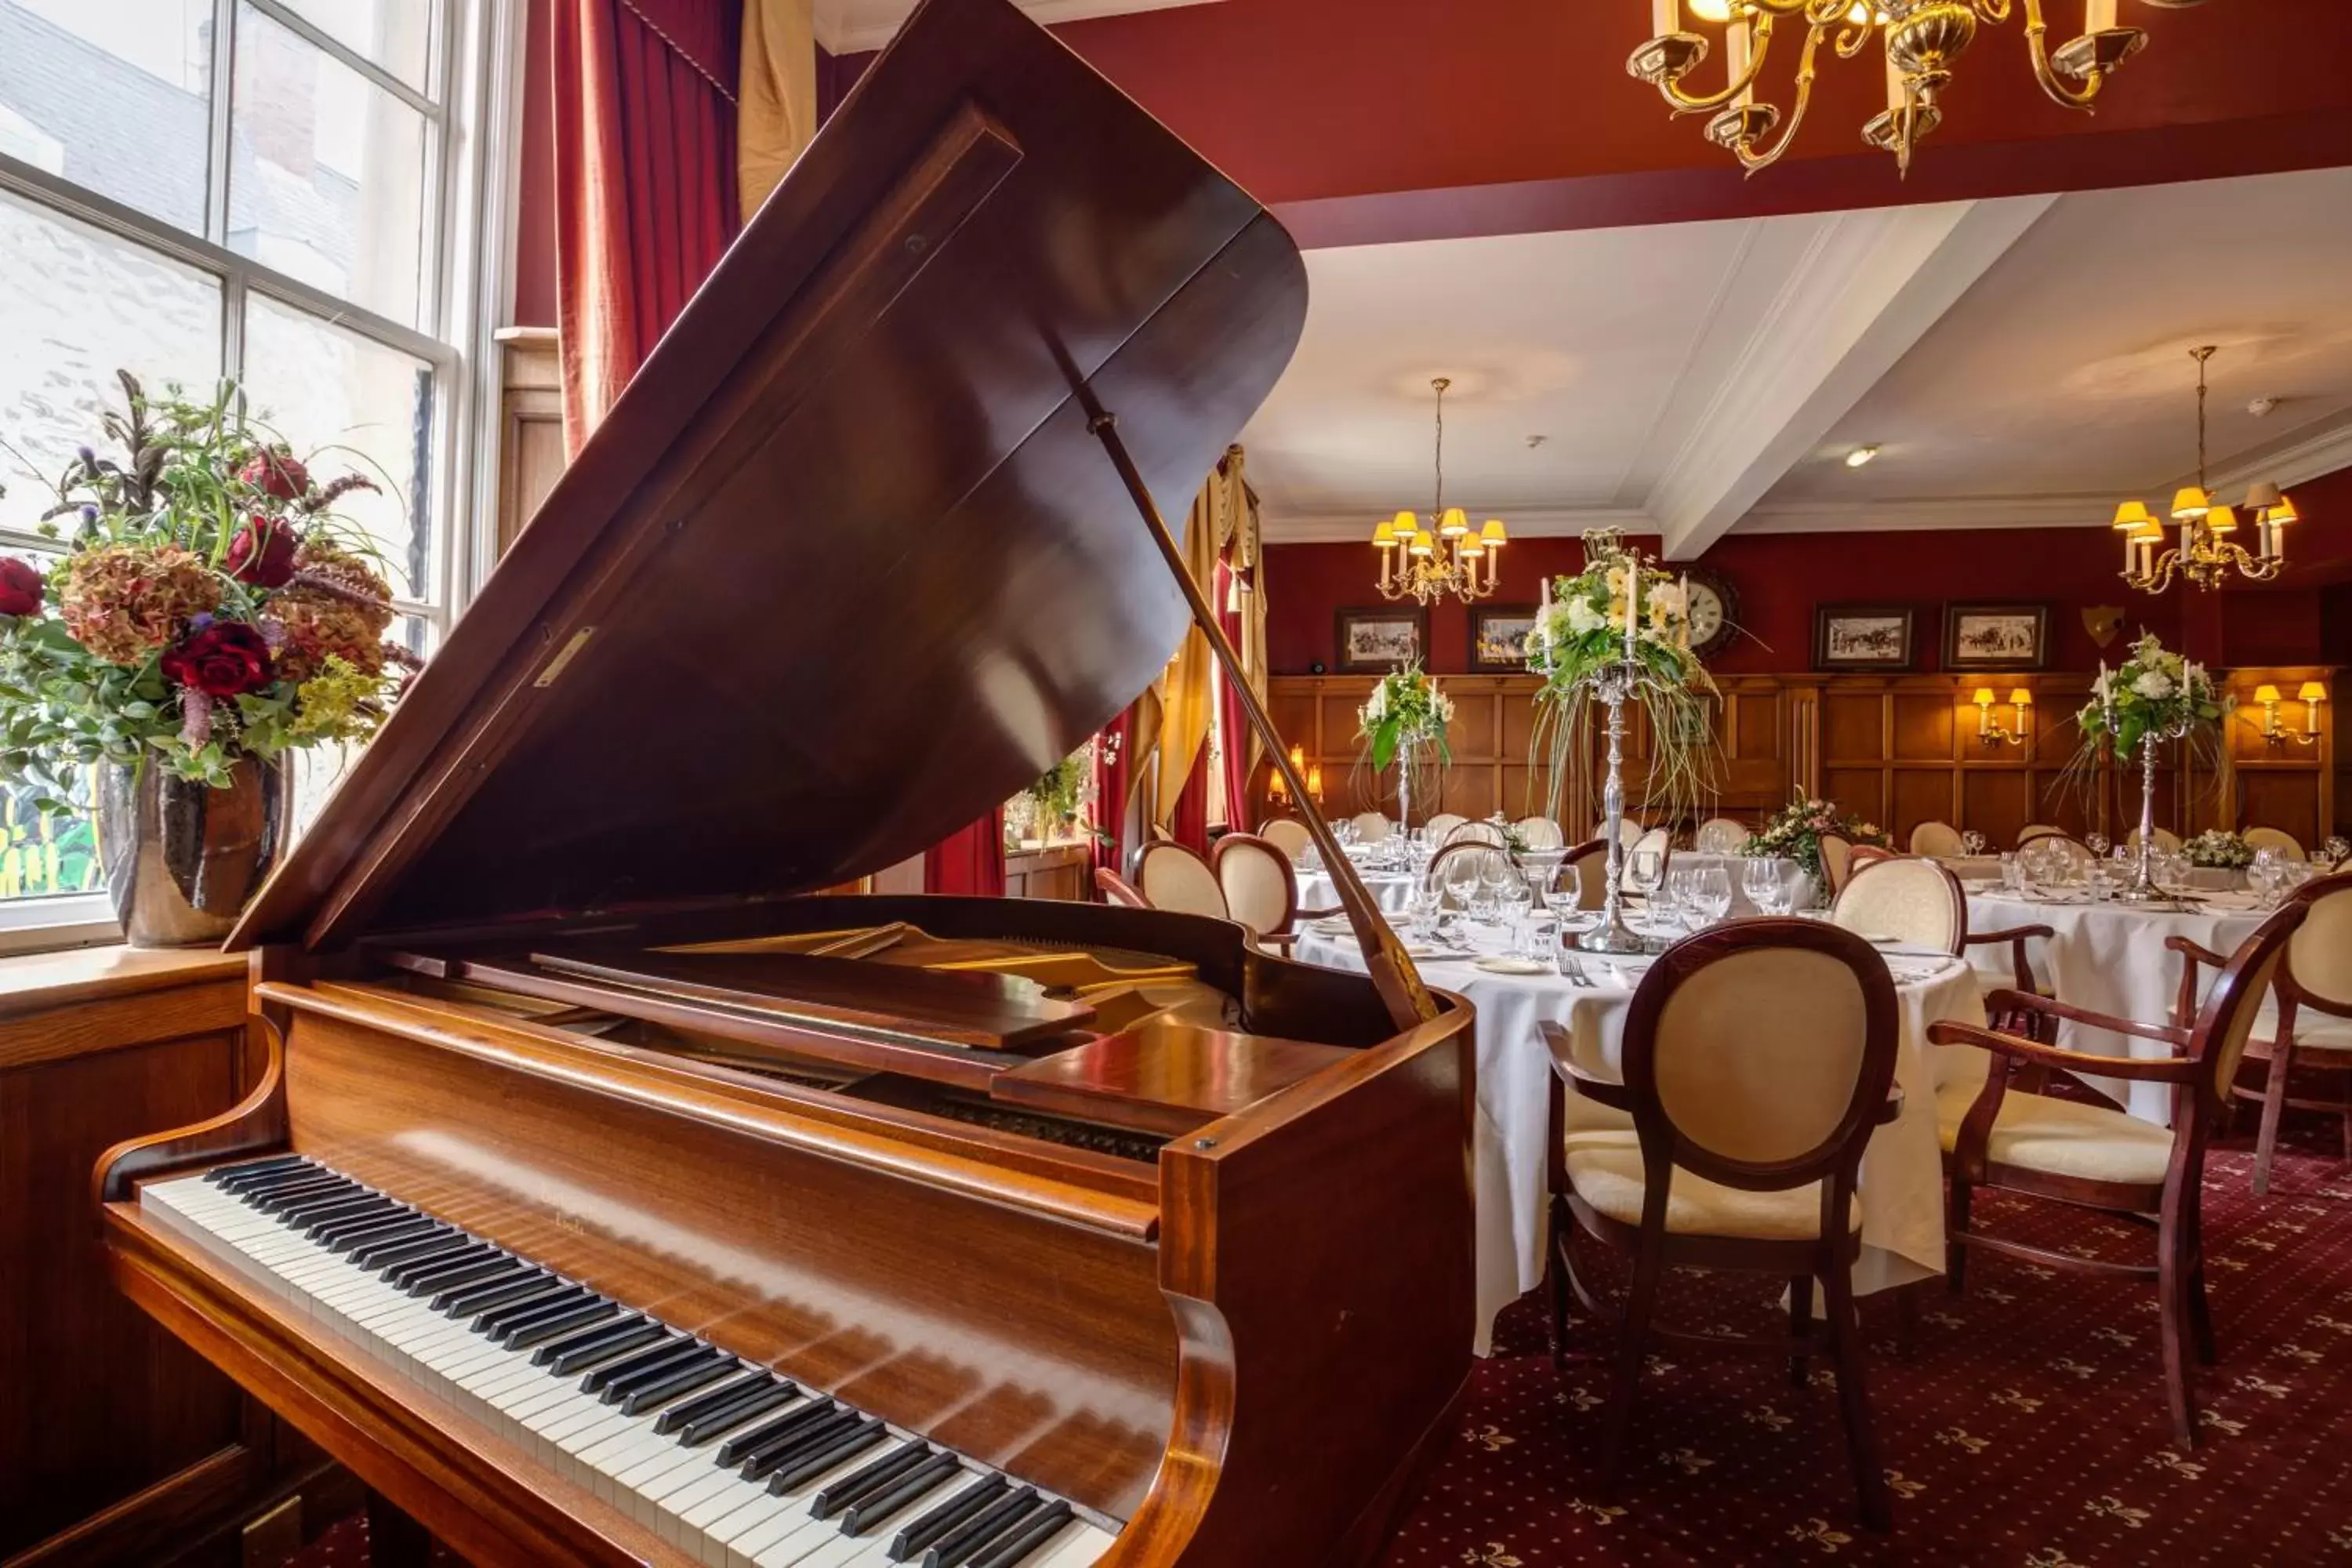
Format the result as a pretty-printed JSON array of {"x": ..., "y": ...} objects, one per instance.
[
  {"x": 645, "y": 179},
  {"x": 1190, "y": 826},
  {"x": 970, "y": 861},
  {"x": 1114, "y": 778},
  {"x": 1231, "y": 716}
]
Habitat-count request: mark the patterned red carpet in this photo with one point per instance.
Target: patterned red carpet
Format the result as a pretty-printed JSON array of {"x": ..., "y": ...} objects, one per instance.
[{"x": 2028, "y": 1432}]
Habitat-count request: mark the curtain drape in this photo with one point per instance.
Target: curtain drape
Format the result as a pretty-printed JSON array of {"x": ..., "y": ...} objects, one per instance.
[
  {"x": 1114, "y": 782},
  {"x": 1232, "y": 724},
  {"x": 970, "y": 861},
  {"x": 778, "y": 93},
  {"x": 645, "y": 179},
  {"x": 1189, "y": 823},
  {"x": 1222, "y": 513}
]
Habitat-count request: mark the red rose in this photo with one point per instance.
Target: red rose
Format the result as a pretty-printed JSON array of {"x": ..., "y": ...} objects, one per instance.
[
  {"x": 225, "y": 659},
  {"x": 261, "y": 551},
  {"x": 21, "y": 588},
  {"x": 277, "y": 472}
]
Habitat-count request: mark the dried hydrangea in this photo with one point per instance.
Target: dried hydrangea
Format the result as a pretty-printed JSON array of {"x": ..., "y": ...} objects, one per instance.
[
  {"x": 337, "y": 607},
  {"x": 122, "y": 602}
]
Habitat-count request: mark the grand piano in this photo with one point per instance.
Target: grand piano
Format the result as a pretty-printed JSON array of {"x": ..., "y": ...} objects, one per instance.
[{"x": 607, "y": 1194}]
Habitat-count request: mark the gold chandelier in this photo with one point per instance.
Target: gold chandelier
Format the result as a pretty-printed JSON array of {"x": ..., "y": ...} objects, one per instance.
[
  {"x": 1923, "y": 38},
  {"x": 2206, "y": 554},
  {"x": 1440, "y": 554}
]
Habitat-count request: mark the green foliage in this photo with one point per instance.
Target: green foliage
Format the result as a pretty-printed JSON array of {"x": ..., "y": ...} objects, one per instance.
[
  {"x": 1405, "y": 708},
  {"x": 2218, "y": 847},
  {"x": 2151, "y": 693},
  {"x": 1795, "y": 833},
  {"x": 1059, "y": 790}
]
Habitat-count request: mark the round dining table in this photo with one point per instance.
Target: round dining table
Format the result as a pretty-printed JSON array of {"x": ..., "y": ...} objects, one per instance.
[
  {"x": 1902, "y": 1172},
  {"x": 2111, "y": 958},
  {"x": 1393, "y": 889}
]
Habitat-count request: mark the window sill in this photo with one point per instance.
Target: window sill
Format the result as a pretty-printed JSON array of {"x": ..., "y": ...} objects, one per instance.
[{"x": 56, "y": 925}]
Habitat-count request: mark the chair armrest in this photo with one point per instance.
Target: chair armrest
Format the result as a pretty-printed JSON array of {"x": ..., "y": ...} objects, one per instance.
[
  {"x": 2193, "y": 954},
  {"x": 1600, "y": 1090},
  {"x": 1318, "y": 914},
  {"x": 1893, "y": 1109},
  {"x": 2014, "y": 939},
  {"x": 2002, "y": 1002},
  {"x": 2160, "y": 1069},
  {"x": 2014, "y": 934},
  {"x": 1280, "y": 941},
  {"x": 2196, "y": 952}
]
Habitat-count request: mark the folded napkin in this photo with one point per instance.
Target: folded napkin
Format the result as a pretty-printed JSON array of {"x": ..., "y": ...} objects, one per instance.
[{"x": 2228, "y": 901}]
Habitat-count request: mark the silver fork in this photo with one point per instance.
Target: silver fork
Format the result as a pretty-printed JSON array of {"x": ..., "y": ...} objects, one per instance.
[{"x": 1576, "y": 975}]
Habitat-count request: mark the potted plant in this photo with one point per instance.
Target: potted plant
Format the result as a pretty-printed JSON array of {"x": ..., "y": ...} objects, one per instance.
[{"x": 211, "y": 616}]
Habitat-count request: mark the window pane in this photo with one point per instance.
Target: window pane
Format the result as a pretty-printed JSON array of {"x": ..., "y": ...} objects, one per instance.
[
  {"x": 113, "y": 95},
  {"x": 394, "y": 33},
  {"x": 326, "y": 173},
  {"x": 75, "y": 304},
  {"x": 361, "y": 407}
]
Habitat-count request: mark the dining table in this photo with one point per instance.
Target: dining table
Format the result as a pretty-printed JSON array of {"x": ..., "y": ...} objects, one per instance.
[
  {"x": 1391, "y": 888},
  {"x": 1902, "y": 1171},
  {"x": 2110, "y": 957},
  {"x": 2200, "y": 878}
]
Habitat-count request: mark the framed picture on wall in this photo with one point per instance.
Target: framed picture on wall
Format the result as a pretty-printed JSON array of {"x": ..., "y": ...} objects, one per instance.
[
  {"x": 1498, "y": 638},
  {"x": 1375, "y": 641},
  {"x": 1863, "y": 636},
  {"x": 1996, "y": 637}
]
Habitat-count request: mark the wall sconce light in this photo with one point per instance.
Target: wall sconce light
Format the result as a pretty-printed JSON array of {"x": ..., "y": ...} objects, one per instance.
[
  {"x": 2311, "y": 693},
  {"x": 1991, "y": 731},
  {"x": 1277, "y": 790},
  {"x": 1315, "y": 783}
]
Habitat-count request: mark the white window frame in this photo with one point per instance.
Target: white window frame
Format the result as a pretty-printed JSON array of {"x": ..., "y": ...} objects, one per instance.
[{"x": 473, "y": 126}]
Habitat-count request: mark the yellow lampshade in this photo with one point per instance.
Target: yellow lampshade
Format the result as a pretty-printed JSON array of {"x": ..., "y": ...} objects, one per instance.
[
  {"x": 1493, "y": 534},
  {"x": 1384, "y": 535},
  {"x": 2132, "y": 515},
  {"x": 2267, "y": 693},
  {"x": 1983, "y": 699},
  {"x": 2313, "y": 692},
  {"x": 1454, "y": 523},
  {"x": 2021, "y": 697},
  {"x": 2191, "y": 503},
  {"x": 2261, "y": 497},
  {"x": 1297, "y": 756},
  {"x": 2222, "y": 520},
  {"x": 2284, "y": 513},
  {"x": 1471, "y": 550},
  {"x": 1423, "y": 544},
  {"x": 2151, "y": 532},
  {"x": 1711, "y": 10}
]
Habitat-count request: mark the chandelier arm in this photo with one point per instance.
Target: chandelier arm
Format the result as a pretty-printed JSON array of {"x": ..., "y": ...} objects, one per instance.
[
  {"x": 2037, "y": 43},
  {"x": 1995, "y": 11},
  {"x": 1759, "y": 43},
  {"x": 1752, "y": 160}
]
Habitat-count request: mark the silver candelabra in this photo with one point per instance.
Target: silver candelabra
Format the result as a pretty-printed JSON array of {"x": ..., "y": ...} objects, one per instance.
[{"x": 1614, "y": 683}]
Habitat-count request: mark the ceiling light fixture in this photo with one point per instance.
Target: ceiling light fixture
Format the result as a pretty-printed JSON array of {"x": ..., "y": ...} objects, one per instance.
[
  {"x": 2206, "y": 554},
  {"x": 1923, "y": 39},
  {"x": 1441, "y": 553},
  {"x": 1860, "y": 456}
]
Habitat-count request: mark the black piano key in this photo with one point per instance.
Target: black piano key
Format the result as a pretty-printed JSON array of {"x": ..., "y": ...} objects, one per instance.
[
  {"x": 617, "y": 1389},
  {"x": 802, "y": 1468},
  {"x": 868, "y": 1513},
  {"x": 704, "y": 1417},
  {"x": 960, "y": 1544},
  {"x": 481, "y": 1298},
  {"x": 506, "y": 1271},
  {"x": 539, "y": 1331},
  {"x": 270, "y": 1200},
  {"x": 489, "y": 1319},
  {"x": 596, "y": 1381},
  {"x": 400, "y": 1227},
  {"x": 743, "y": 1444},
  {"x": 431, "y": 1282},
  {"x": 685, "y": 1380},
  {"x": 329, "y": 1232},
  {"x": 539, "y": 1310},
  {"x": 253, "y": 1170},
  {"x": 1024, "y": 1537},
  {"x": 247, "y": 1186},
  {"x": 921, "y": 1532},
  {"x": 593, "y": 1343},
  {"x": 435, "y": 1244},
  {"x": 804, "y": 1440},
  {"x": 371, "y": 1203},
  {"x": 866, "y": 1479},
  {"x": 403, "y": 1275}
]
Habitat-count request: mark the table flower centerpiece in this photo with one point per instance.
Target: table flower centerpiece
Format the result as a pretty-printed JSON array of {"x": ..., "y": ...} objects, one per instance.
[
  {"x": 1403, "y": 721},
  {"x": 210, "y": 615},
  {"x": 2152, "y": 697},
  {"x": 1795, "y": 831},
  {"x": 1618, "y": 632},
  {"x": 2218, "y": 849}
]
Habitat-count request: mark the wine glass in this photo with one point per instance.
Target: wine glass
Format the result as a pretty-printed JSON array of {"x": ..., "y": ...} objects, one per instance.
[
  {"x": 1972, "y": 842},
  {"x": 2096, "y": 842},
  {"x": 1517, "y": 898},
  {"x": 1496, "y": 873},
  {"x": 1711, "y": 895},
  {"x": 1645, "y": 870},
  {"x": 1760, "y": 880}
]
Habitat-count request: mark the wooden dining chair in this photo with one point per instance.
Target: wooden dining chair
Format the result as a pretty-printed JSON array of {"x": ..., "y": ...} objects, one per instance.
[
  {"x": 2286, "y": 842},
  {"x": 1540, "y": 833},
  {"x": 1172, "y": 877},
  {"x": 1260, "y": 887},
  {"x": 2166, "y": 840},
  {"x": 1589, "y": 863},
  {"x": 1371, "y": 827},
  {"x": 1117, "y": 889},
  {"x": 1758, "y": 1058},
  {"x": 1837, "y": 862},
  {"x": 1476, "y": 833},
  {"x": 1438, "y": 828},
  {"x": 1937, "y": 838},
  {"x": 2096, "y": 1158},
  {"x": 2305, "y": 1023},
  {"x": 1720, "y": 836},
  {"x": 1909, "y": 898},
  {"x": 1287, "y": 834},
  {"x": 1448, "y": 862},
  {"x": 1629, "y": 831},
  {"x": 2034, "y": 830},
  {"x": 1653, "y": 838}
]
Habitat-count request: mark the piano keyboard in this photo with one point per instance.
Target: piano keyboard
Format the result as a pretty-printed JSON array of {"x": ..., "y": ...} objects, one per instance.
[{"x": 727, "y": 1461}]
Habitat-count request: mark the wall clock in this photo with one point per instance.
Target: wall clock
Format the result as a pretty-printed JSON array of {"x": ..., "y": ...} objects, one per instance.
[{"x": 1713, "y": 611}]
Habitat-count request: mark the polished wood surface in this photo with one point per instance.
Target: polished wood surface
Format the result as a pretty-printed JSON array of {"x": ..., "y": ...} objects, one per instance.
[
  {"x": 1163, "y": 1075},
  {"x": 1049, "y": 871}
]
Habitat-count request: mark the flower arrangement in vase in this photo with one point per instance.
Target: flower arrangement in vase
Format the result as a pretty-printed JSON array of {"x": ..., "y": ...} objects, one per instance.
[
  {"x": 1795, "y": 833},
  {"x": 1404, "y": 718},
  {"x": 2152, "y": 697},
  {"x": 2218, "y": 849},
  {"x": 211, "y": 615}
]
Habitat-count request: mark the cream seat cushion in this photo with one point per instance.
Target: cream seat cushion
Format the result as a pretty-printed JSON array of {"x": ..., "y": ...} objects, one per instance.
[
  {"x": 2060, "y": 1137},
  {"x": 1605, "y": 1169},
  {"x": 2312, "y": 1030}
]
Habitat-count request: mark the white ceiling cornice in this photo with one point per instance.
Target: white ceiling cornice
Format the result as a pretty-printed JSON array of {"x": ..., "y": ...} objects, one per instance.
[
  {"x": 1961, "y": 512},
  {"x": 2323, "y": 451},
  {"x": 853, "y": 26},
  {"x": 1870, "y": 286}
]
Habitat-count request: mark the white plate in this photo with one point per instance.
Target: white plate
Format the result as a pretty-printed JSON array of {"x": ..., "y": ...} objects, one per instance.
[{"x": 1496, "y": 964}]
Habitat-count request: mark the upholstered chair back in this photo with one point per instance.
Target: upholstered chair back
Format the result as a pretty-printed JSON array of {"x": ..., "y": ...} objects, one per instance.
[
  {"x": 2166, "y": 840},
  {"x": 1476, "y": 833},
  {"x": 1656, "y": 838},
  {"x": 1761, "y": 1051},
  {"x": 2319, "y": 959},
  {"x": 1629, "y": 831},
  {"x": 1904, "y": 897},
  {"x": 2227, "y": 1021},
  {"x": 1287, "y": 834},
  {"x": 1837, "y": 861},
  {"x": 1371, "y": 827},
  {"x": 1937, "y": 838},
  {"x": 1256, "y": 881},
  {"x": 1720, "y": 836},
  {"x": 2286, "y": 844},
  {"x": 1443, "y": 823},
  {"x": 1540, "y": 833},
  {"x": 1173, "y": 878},
  {"x": 1586, "y": 868},
  {"x": 1450, "y": 864},
  {"x": 2034, "y": 830}
]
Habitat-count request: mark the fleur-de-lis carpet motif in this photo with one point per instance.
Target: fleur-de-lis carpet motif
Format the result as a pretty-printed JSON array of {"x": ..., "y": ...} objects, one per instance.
[{"x": 2026, "y": 1430}]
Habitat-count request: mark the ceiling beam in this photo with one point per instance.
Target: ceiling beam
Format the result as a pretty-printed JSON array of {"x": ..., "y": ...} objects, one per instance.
[{"x": 1868, "y": 288}]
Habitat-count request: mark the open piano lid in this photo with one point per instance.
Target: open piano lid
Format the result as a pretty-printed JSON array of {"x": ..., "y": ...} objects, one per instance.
[{"x": 844, "y": 568}]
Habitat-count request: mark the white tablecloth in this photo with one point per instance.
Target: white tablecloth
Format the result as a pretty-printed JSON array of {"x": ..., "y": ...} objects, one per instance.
[
  {"x": 1902, "y": 1174},
  {"x": 1795, "y": 878},
  {"x": 2110, "y": 958},
  {"x": 1392, "y": 890}
]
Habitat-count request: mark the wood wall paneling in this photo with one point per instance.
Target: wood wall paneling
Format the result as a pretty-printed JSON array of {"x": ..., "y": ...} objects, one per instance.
[{"x": 531, "y": 426}]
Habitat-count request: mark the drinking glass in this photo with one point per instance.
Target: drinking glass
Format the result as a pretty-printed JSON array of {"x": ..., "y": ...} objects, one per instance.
[
  {"x": 1973, "y": 841},
  {"x": 1517, "y": 898},
  {"x": 2096, "y": 842},
  {"x": 1711, "y": 893},
  {"x": 1760, "y": 880},
  {"x": 1644, "y": 870},
  {"x": 2012, "y": 871},
  {"x": 1560, "y": 894},
  {"x": 2262, "y": 876}
]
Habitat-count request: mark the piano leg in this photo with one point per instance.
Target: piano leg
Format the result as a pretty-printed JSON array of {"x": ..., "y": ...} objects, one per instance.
[{"x": 394, "y": 1539}]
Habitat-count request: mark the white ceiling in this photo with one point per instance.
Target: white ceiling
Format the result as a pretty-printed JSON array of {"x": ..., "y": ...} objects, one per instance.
[
  {"x": 2018, "y": 362},
  {"x": 851, "y": 26}
]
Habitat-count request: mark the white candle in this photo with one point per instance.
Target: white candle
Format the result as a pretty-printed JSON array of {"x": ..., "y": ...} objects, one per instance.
[
  {"x": 2098, "y": 16},
  {"x": 1665, "y": 16},
  {"x": 1685, "y": 637},
  {"x": 1893, "y": 86},
  {"x": 1543, "y": 614},
  {"x": 1633, "y": 599},
  {"x": 1735, "y": 57}
]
